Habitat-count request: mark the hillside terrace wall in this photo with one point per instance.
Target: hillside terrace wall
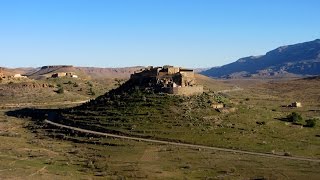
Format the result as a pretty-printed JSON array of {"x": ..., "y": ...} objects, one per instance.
[{"x": 187, "y": 90}]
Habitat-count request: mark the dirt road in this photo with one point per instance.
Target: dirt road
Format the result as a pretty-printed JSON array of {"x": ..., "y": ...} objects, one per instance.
[{"x": 194, "y": 146}]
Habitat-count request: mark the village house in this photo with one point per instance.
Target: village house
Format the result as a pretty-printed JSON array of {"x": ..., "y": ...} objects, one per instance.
[
  {"x": 217, "y": 105},
  {"x": 56, "y": 75},
  {"x": 64, "y": 74},
  {"x": 19, "y": 76},
  {"x": 296, "y": 104}
]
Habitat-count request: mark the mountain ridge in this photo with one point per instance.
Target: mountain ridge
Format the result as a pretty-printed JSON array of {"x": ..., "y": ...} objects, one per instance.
[
  {"x": 300, "y": 59},
  {"x": 84, "y": 72}
]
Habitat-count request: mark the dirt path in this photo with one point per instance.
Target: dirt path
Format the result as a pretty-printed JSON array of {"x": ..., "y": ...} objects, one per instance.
[
  {"x": 39, "y": 171},
  {"x": 194, "y": 146}
]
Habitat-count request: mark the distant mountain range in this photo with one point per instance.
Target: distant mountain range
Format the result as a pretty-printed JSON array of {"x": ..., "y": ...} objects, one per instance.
[{"x": 292, "y": 60}]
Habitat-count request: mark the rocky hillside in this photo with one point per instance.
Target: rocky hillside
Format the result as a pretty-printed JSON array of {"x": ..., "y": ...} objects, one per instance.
[
  {"x": 297, "y": 59},
  {"x": 84, "y": 72},
  {"x": 102, "y": 73},
  {"x": 10, "y": 72},
  {"x": 51, "y": 69}
]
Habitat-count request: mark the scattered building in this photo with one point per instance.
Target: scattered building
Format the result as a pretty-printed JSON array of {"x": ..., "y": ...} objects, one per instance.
[
  {"x": 56, "y": 75},
  {"x": 293, "y": 105},
  {"x": 168, "y": 79},
  {"x": 19, "y": 76},
  {"x": 63, "y": 74},
  {"x": 296, "y": 104},
  {"x": 217, "y": 105}
]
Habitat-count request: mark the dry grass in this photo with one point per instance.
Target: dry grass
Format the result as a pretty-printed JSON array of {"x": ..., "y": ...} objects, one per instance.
[
  {"x": 34, "y": 93},
  {"x": 38, "y": 155},
  {"x": 35, "y": 156}
]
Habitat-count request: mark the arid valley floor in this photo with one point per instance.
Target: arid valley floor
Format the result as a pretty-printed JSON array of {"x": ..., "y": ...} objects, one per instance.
[{"x": 255, "y": 121}]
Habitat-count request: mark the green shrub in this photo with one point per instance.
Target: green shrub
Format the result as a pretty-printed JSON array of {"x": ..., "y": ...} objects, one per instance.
[
  {"x": 91, "y": 92},
  {"x": 221, "y": 99},
  {"x": 311, "y": 122},
  {"x": 89, "y": 84},
  {"x": 295, "y": 117},
  {"x": 75, "y": 85},
  {"x": 60, "y": 90},
  {"x": 119, "y": 82}
]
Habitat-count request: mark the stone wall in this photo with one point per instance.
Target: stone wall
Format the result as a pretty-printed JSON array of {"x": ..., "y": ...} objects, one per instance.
[
  {"x": 173, "y": 70},
  {"x": 189, "y": 74},
  {"x": 188, "y": 90}
]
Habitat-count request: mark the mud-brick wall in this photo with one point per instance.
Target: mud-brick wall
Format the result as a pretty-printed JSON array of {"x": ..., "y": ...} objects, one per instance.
[{"x": 190, "y": 90}]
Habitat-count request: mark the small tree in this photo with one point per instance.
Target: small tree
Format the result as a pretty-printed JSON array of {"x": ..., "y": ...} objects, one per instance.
[
  {"x": 295, "y": 117},
  {"x": 311, "y": 123}
]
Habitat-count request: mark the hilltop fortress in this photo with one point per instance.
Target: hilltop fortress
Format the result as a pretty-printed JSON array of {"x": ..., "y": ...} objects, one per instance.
[{"x": 167, "y": 79}]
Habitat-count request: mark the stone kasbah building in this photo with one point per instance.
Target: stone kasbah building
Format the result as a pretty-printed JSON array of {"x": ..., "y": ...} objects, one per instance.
[{"x": 168, "y": 79}]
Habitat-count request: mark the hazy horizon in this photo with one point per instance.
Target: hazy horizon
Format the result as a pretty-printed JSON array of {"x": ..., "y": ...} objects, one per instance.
[{"x": 188, "y": 33}]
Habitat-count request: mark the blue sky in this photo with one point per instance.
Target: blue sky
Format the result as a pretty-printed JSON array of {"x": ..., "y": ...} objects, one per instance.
[{"x": 120, "y": 33}]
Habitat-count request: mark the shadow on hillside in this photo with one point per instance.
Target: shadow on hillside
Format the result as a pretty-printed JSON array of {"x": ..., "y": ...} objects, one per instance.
[
  {"x": 37, "y": 115},
  {"x": 289, "y": 121},
  {"x": 283, "y": 119}
]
